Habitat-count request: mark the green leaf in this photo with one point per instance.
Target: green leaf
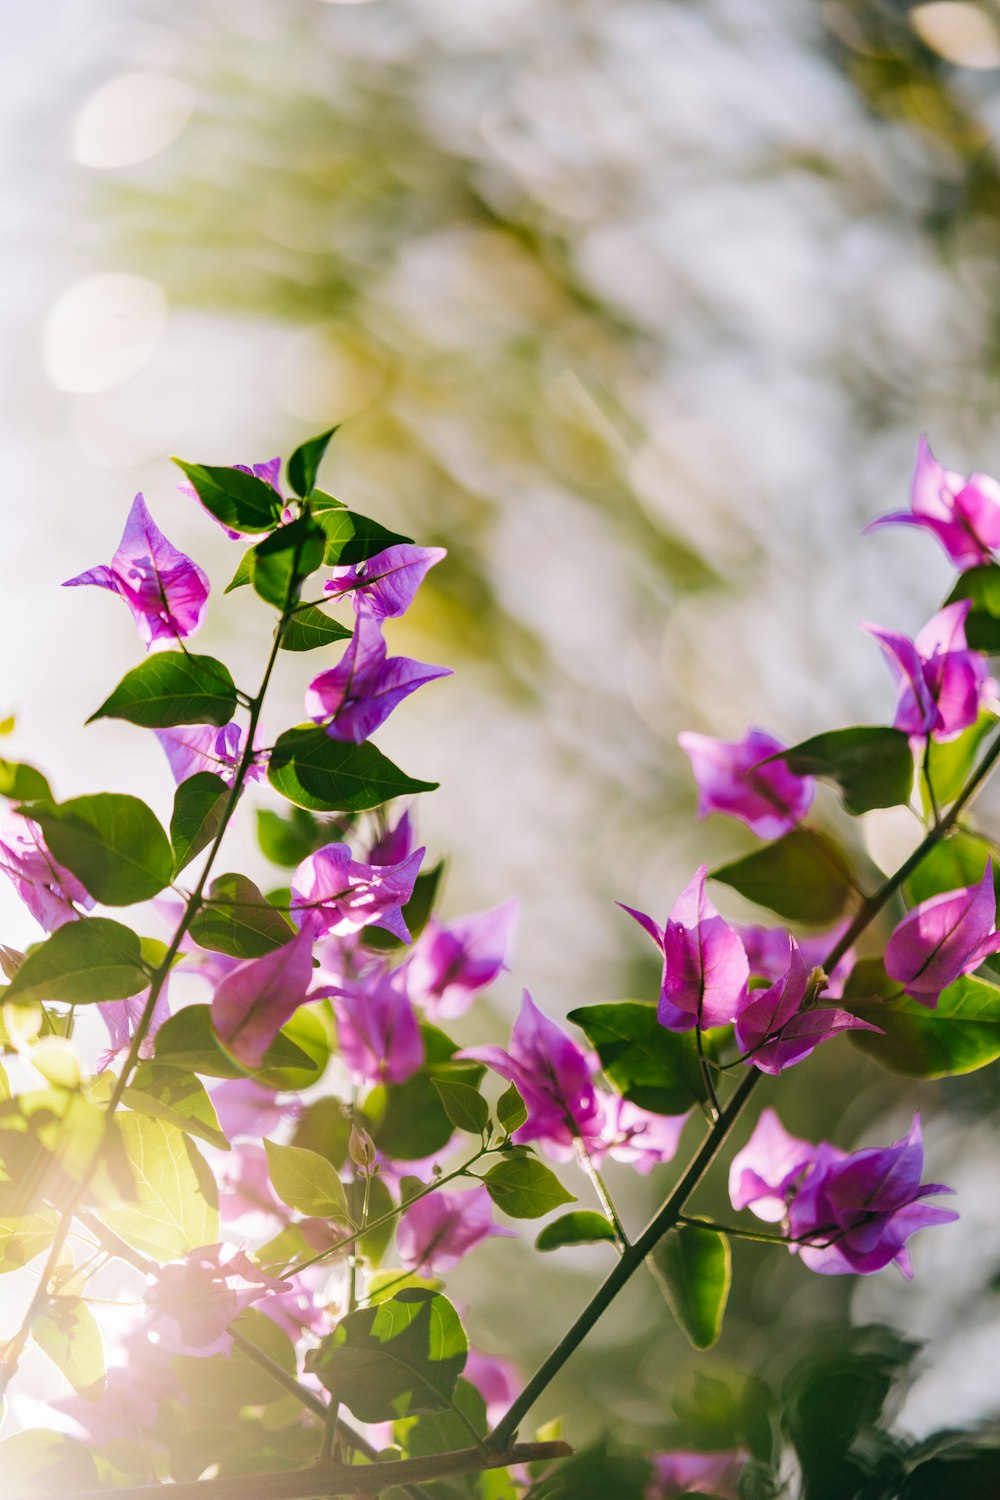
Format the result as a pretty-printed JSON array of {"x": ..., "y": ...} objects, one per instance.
[
  {"x": 187, "y": 1040},
  {"x": 240, "y": 501},
  {"x": 24, "y": 1237},
  {"x": 581, "y": 1227},
  {"x": 37, "y": 1462},
  {"x": 982, "y": 625},
  {"x": 511, "y": 1110},
  {"x": 224, "y": 1383},
  {"x": 596, "y": 1474},
  {"x": 303, "y": 466},
  {"x": 307, "y": 1182},
  {"x": 285, "y": 558},
  {"x": 113, "y": 843},
  {"x": 23, "y": 783},
  {"x": 648, "y": 1065},
  {"x": 804, "y": 877},
  {"x": 465, "y": 1106},
  {"x": 524, "y": 1188},
  {"x": 67, "y": 1332},
  {"x": 236, "y": 919},
  {"x": 871, "y": 765},
  {"x": 960, "y": 1035},
  {"x": 324, "y": 1126},
  {"x": 309, "y": 628},
  {"x": 695, "y": 1271},
  {"x": 327, "y": 775},
  {"x": 415, "y": 913},
  {"x": 287, "y": 841},
  {"x": 407, "y": 1120},
  {"x": 171, "y": 687},
  {"x": 957, "y": 861},
  {"x": 199, "y": 806},
  {"x": 950, "y": 761},
  {"x": 351, "y": 538},
  {"x": 405, "y": 1355},
  {"x": 91, "y": 959},
  {"x": 168, "y": 1093},
  {"x": 298, "y": 1056},
  {"x": 243, "y": 574},
  {"x": 174, "y": 1208}
]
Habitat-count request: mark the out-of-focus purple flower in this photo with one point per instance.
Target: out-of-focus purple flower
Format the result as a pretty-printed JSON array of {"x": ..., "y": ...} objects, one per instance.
[
  {"x": 497, "y": 1380},
  {"x": 190, "y": 748},
  {"x": 353, "y": 698},
  {"x": 121, "y": 1017},
  {"x": 860, "y": 1209},
  {"x": 46, "y": 888},
  {"x": 384, "y": 585},
  {"x": 268, "y": 472},
  {"x": 394, "y": 844},
  {"x": 436, "y": 1232},
  {"x": 705, "y": 967},
  {"x": 133, "y": 1395},
  {"x": 767, "y": 953},
  {"x": 769, "y": 799},
  {"x": 553, "y": 1078},
  {"x": 333, "y": 893},
  {"x": 638, "y": 1137},
  {"x": 301, "y": 1307},
  {"x": 163, "y": 588},
  {"x": 964, "y": 514},
  {"x": 763, "y": 1176},
  {"x": 255, "y": 1000},
  {"x": 942, "y": 684},
  {"x": 686, "y": 1473},
  {"x": 245, "y": 1191},
  {"x": 193, "y": 1301},
  {"x": 245, "y": 1107},
  {"x": 943, "y": 938},
  {"x": 449, "y": 963},
  {"x": 377, "y": 1028},
  {"x": 776, "y": 1031}
]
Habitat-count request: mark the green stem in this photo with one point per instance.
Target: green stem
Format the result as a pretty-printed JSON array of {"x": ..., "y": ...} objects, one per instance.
[
  {"x": 386, "y": 1218},
  {"x": 735, "y": 1231},
  {"x": 669, "y": 1214},
  {"x": 706, "y": 1075},
  {"x": 600, "y": 1187}
]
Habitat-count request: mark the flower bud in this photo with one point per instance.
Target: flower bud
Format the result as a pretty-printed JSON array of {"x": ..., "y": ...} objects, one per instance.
[{"x": 361, "y": 1148}]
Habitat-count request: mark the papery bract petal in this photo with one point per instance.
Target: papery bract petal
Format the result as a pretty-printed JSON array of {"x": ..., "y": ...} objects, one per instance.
[
  {"x": 377, "y": 1029},
  {"x": 763, "y": 1173},
  {"x": 361, "y": 691},
  {"x": 384, "y": 585},
  {"x": 438, "y": 1231},
  {"x": 705, "y": 967},
  {"x": 48, "y": 890},
  {"x": 944, "y": 937},
  {"x": 964, "y": 515},
  {"x": 450, "y": 962},
  {"x": 252, "y": 1003},
  {"x": 333, "y": 893},
  {"x": 769, "y": 798}
]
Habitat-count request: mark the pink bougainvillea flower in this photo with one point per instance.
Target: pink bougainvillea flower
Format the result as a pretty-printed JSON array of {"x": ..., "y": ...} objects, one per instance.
[
  {"x": 767, "y": 953},
  {"x": 450, "y": 962},
  {"x": 245, "y": 1192},
  {"x": 964, "y": 514},
  {"x": 763, "y": 1176},
  {"x": 193, "y": 1301},
  {"x": 768, "y": 798},
  {"x": 553, "y": 1078},
  {"x": 861, "y": 1208},
  {"x": 942, "y": 684},
  {"x": 705, "y": 967},
  {"x": 497, "y": 1380},
  {"x": 245, "y": 1107},
  {"x": 686, "y": 1473},
  {"x": 776, "y": 1031},
  {"x": 50, "y": 892},
  {"x": 638, "y": 1137},
  {"x": 353, "y": 698},
  {"x": 393, "y": 844},
  {"x": 268, "y": 472},
  {"x": 121, "y": 1017},
  {"x": 384, "y": 585},
  {"x": 943, "y": 938},
  {"x": 438, "y": 1231},
  {"x": 333, "y": 893},
  {"x": 190, "y": 748},
  {"x": 377, "y": 1028},
  {"x": 254, "y": 1001},
  {"x": 163, "y": 588}
]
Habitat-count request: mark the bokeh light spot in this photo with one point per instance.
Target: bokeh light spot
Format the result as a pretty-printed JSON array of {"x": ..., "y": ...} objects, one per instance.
[
  {"x": 103, "y": 330},
  {"x": 130, "y": 119}
]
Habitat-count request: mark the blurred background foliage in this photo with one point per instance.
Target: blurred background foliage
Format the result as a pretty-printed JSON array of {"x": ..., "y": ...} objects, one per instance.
[{"x": 638, "y": 307}]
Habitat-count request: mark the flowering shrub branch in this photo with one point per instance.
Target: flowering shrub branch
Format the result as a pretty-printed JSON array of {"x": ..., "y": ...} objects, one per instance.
[{"x": 260, "y": 1210}]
